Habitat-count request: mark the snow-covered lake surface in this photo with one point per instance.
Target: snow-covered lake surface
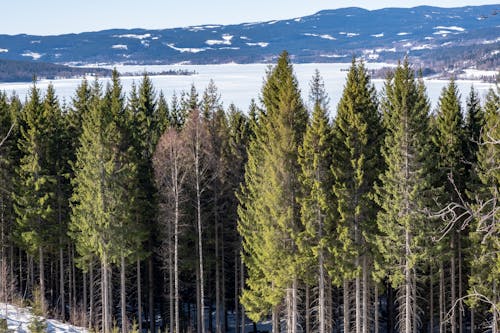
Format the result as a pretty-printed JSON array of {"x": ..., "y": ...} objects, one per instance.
[
  {"x": 18, "y": 320},
  {"x": 237, "y": 83}
]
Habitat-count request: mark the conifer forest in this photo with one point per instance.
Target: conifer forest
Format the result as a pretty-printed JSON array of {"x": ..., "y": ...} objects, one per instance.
[{"x": 128, "y": 212}]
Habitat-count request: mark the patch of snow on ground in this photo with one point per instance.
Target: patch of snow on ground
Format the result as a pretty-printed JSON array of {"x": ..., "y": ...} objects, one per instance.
[
  {"x": 385, "y": 50},
  {"x": 4, "y": 50},
  {"x": 185, "y": 49},
  {"x": 324, "y": 36},
  {"x": 35, "y": 42},
  {"x": 352, "y": 34},
  {"x": 453, "y": 27},
  {"x": 491, "y": 41},
  {"x": 407, "y": 44},
  {"x": 476, "y": 74},
  {"x": 226, "y": 40},
  {"x": 33, "y": 55},
  {"x": 378, "y": 35},
  {"x": 272, "y": 22},
  {"x": 18, "y": 320},
  {"x": 443, "y": 33},
  {"x": 244, "y": 38},
  {"x": 119, "y": 47},
  {"x": 403, "y": 33},
  {"x": 333, "y": 55},
  {"x": 133, "y": 36},
  {"x": 422, "y": 47},
  {"x": 429, "y": 38},
  {"x": 261, "y": 44}
]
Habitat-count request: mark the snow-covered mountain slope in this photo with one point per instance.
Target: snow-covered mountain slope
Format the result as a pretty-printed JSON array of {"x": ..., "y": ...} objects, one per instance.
[
  {"x": 18, "y": 320},
  {"x": 440, "y": 34}
]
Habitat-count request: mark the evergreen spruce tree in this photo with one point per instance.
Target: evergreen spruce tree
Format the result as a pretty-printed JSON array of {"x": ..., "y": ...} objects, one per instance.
[
  {"x": 484, "y": 284},
  {"x": 315, "y": 158},
  {"x": 34, "y": 197},
  {"x": 269, "y": 213},
  {"x": 449, "y": 141},
  {"x": 357, "y": 135},
  {"x": 103, "y": 197},
  {"x": 404, "y": 190}
]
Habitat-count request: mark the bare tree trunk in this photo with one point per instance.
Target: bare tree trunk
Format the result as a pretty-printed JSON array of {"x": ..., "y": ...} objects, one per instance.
[
  {"x": 366, "y": 296},
  {"x": 472, "y": 323},
  {"x": 321, "y": 291},
  {"x": 347, "y": 305},
  {"x": 236, "y": 294},
  {"x": 123, "y": 302},
  {"x": 460, "y": 286},
  {"x": 295, "y": 307},
  {"x": 85, "y": 301},
  {"x": 139, "y": 296},
  {"x": 218, "y": 325},
  {"x": 198, "y": 300},
  {"x": 275, "y": 318},
  {"x": 200, "y": 243},
  {"x": 431, "y": 305},
  {"x": 152, "y": 323},
  {"x": 106, "y": 320},
  {"x": 91, "y": 295},
  {"x": 242, "y": 286},
  {"x": 308, "y": 310},
  {"x": 176, "y": 265},
  {"x": 441, "y": 299},
  {"x": 42, "y": 279},
  {"x": 61, "y": 281},
  {"x": 376, "y": 310},
  {"x": 453, "y": 297},
  {"x": 408, "y": 286}
]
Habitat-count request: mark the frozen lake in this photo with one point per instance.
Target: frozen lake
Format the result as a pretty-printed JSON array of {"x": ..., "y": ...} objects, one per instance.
[{"x": 237, "y": 83}]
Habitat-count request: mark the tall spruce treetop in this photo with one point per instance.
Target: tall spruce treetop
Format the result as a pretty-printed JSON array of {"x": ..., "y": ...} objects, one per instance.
[
  {"x": 449, "y": 136},
  {"x": 269, "y": 216},
  {"x": 474, "y": 120},
  {"x": 357, "y": 135}
]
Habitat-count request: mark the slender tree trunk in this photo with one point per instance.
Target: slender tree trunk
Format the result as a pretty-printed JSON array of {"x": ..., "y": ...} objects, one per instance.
[
  {"x": 176, "y": 265},
  {"x": 42, "y": 279},
  {"x": 139, "y": 296},
  {"x": 236, "y": 294},
  {"x": 376, "y": 310},
  {"x": 218, "y": 325},
  {"x": 366, "y": 296},
  {"x": 453, "y": 297},
  {"x": 347, "y": 305},
  {"x": 85, "y": 301},
  {"x": 152, "y": 322},
  {"x": 61, "y": 281},
  {"x": 171, "y": 295},
  {"x": 123, "y": 302},
  {"x": 408, "y": 288},
  {"x": 242, "y": 286},
  {"x": 441, "y": 299},
  {"x": 460, "y": 286},
  {"x": 275, "y": 318},
  {"x": 106, "y": 320},
  {"x": 198, "y": 300},
  {"x": 472, "y": 323},
  {"x": 200, "y": 243},
  {"x": 308, "y": 310},
  {"x": 295, "y": 307},
  {"x": 321, "y": 292},
  {"x": 431, "y": 300},
  {"x": 91, "y": 295}
]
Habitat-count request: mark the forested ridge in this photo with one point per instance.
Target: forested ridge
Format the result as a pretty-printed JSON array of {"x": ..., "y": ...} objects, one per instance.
[{"x": 131, "y": 212}]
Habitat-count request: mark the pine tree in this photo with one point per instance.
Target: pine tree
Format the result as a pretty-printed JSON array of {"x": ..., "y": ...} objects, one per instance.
[
  {"x": 404, "y": 189},
  {"x": 269, "y": 214},
  {"x": 357, "y": 135},
  {"x": 315, "y": 158}
]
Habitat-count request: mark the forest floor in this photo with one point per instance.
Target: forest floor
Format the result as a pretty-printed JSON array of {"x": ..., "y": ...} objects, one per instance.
[{"x": 18, "y": 320}]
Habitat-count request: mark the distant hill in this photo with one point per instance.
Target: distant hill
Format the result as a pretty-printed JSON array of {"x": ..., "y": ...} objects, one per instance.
[
  {"x": 25, "y": 71},
  {"x": 431, "y": 36}
]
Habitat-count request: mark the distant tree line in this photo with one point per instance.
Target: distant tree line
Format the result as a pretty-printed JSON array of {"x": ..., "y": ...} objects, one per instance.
[{"x": 132, "y": 213}]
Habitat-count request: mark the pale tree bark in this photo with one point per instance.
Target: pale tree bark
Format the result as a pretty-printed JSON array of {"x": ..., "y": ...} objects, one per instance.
[
  {"x": 42, "y": 278},
  {"x": 123, "y": 299},
  {"x": 347, "y": 307}
]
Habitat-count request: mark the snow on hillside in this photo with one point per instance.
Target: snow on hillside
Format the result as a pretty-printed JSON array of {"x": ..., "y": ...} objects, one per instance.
[{"x": 18, "y": 320}]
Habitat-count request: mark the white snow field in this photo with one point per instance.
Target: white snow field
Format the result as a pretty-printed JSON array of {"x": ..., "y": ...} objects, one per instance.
[{"x": 18, "y": 320}]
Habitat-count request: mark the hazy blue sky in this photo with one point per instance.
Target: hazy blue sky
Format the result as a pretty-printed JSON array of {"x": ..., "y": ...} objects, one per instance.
[{"x": 46, "y": 17}]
